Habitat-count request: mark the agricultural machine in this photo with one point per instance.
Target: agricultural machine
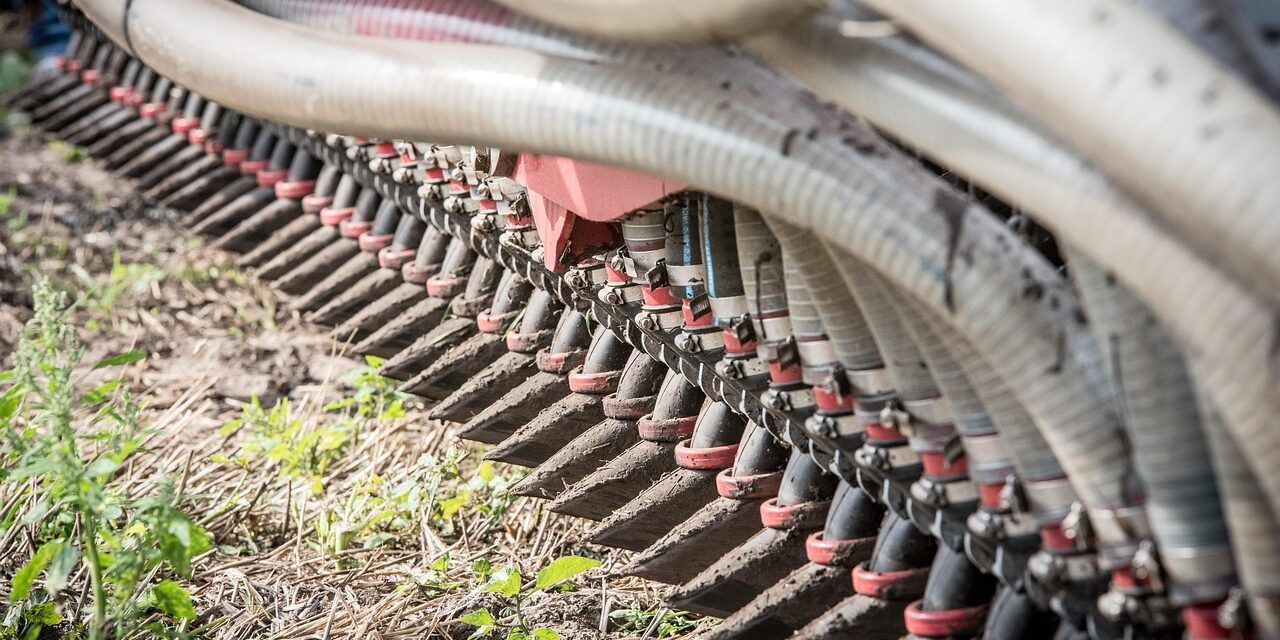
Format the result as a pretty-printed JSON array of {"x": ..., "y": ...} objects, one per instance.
[{"x": 851, "y": 319}]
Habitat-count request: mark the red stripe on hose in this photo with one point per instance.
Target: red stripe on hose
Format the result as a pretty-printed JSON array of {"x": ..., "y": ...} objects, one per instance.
[
  {"x": 560, "y": 362},
  {"x": 1202, "y": 622}
]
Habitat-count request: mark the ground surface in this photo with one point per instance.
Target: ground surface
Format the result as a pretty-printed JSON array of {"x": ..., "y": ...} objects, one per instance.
[{"x": 380, "y": 539}]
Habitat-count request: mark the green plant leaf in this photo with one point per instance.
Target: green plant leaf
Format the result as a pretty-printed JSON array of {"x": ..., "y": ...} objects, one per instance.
[
  {"x": 375, "y": 362},
  {"x": 128, "y": 357},
  {"x": 505, "y": 582},
  {"x": 562, "y": 569},
  {"x": 101, "y": 393},
  {"x": 60, "y": 569},
  {"x": 482, "y": 620},
  {"x": 543, "y": 633},
  {"x": 441, "y": 563},
  {"x": 100, "y": 468},
  {"x": 45, "y": 613},
  {"x": 173, "y": 600},
  {"x": 20, "y": 587}
]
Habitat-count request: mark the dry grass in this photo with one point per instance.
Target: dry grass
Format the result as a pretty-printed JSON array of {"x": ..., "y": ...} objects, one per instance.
[{"x": 294, "y": 556}]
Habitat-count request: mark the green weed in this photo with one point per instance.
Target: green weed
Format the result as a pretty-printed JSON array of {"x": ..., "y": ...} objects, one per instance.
[
  {"x": 125, "y": 278},
  {"x": 65, "y": 463},
  {"x": 508, "y": 585},
  {"x": 69, "y": 153},
  {"x": 664, "y": 623}
]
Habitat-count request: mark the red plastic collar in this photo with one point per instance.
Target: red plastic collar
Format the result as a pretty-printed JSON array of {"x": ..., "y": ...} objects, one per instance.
[
  {"x": 527, "y": 342},
  {"x": 936, "y": 466},
  {"x": 370, "y": 242},
  {"x": 732, "y": 345},
  {"x": 91, "y": 76},
  {"x": 443, "y": 285},
  {"x": 253, "y": 167},
  {"x": 487, "y": 322},
  {"x": 233, "y": 157},
  {"x": 836, "y": 553},
  {"x": 73, "y": 66},
  {"x": 831, "y": 401},
  {"x": 614, "y": 276},
  {"x": 198, "y": 136},
  {"x": 354, "y": 228},
  {"x": 386, "y": 150},
  {"x": 62, "y": 63},
  {"x": 184, "y": 124},
  {"x": 989, "y": 494},
  {"x": 433, "y": 175},
  {"x": 331, "y": 217},
  {"x": 760, "y": 485},
  {"x": 780, "y": 376},
  {"x": 314, "y": 204},
  {"x": 1053, "y": 538},
  {"x": 883, "y": 585},
  {"x": 119, "y": 95},
  {"x": 627, "y": 408},
  {"x": 458, "y": 188},
  {"x": 944, "y": 624},
  {"x": 1202, "y": 622},
  {"x": 660, "y": 297},
  {"x": 594, "y": 383},
  {"x": 560, "y": 362},
  {"x": 790, "y": 516},
  {"x": 271, "y": 178},
  {"x": 881, "y": 433},
  {"x": 487, "y": 205},
  {"x": 391, "y": 259},
  {"x": 686, "y": 312},
  {"x": 294, "y": 190},
  {"x": 667, "y": 430},
  {"x": 152, "y": 110},
  {"x": 706, "y": 459}
]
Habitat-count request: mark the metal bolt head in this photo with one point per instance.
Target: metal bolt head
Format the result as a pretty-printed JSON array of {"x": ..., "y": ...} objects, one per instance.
[{"x": 333, "y": 140}]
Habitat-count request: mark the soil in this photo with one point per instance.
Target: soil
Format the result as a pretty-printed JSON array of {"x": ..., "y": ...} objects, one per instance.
[{"x": 216, "y": 339}]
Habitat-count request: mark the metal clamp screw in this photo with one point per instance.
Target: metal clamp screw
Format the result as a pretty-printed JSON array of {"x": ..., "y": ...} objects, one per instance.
[
  {"x": 689, "y": 342},
  {"x": 381, "y": 166}
]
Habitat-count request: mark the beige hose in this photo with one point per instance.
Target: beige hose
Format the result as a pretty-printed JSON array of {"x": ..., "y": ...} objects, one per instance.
[
  {"x": 1197, "y": 143},
  {"x": 666, "y": 21}
]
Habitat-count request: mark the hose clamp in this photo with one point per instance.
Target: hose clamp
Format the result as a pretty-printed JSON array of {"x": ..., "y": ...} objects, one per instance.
[
  {"x": 660, "y": 318},
  {"x": 835, "y": 426},
  {"x": 943, "y": 494},
  {"x": 1057, "y": 569},
  {"x": 927, "y": 412},
  {"x": 885, "y": 459},
  {"x": 1050, "y": 499},
  {"x": 684, "y": 275},
  {"x": 620, "y": 294},
  {"x": 742, "y": 368},
  {"x": 728, "y": 307},
  {"x": 699, "y": 341}
]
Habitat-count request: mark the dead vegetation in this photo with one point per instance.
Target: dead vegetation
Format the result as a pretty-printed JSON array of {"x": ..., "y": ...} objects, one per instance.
[{"x": 334, "y": 508}]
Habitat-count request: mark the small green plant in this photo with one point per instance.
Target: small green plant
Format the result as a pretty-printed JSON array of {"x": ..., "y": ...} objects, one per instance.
[
  {"x": 664, "y": 623},
  {"x": 508, "y": 585},
  {"x": 101, "y": 298},
  {"x": 65, "y": 447},
  {"x": 69, "y": 153}
]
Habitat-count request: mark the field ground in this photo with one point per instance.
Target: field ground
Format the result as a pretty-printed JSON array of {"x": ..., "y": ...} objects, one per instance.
[{"x": 388, "y": 528}]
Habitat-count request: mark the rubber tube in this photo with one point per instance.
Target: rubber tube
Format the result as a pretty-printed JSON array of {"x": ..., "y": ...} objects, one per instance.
[
  {"x": 762, "y": 162},
  {"x": 1154, "y": 111}
]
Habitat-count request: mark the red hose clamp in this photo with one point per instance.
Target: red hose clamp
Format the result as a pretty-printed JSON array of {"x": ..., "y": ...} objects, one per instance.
[
  {"x": 837, "y": 553},
  {"x": 937, "y": 467},
  {"x": 703, "y": 321},
  {"x": 1202, "y": 622},
  {"x": 374, "y": 242},
  {"x": 445, "y": 285},
  {"x": 135, "y": 99},
  {"x": 780, "y": 375},
  {"x": 354, "y": 228},
  {"x": 626, "y": 408},
  {"x": 415, "y": 273},
  {"x": 831, "y": 400},
  {"x": 295, "y": 190},
  {"x": 331, "y": 217},
  {"x": 487, "y": 205},
  {"x": 91, "y": 77},
  {"x": 561, "y": 363},
  {"x": 528, "y": 342},
  {"x": 705, "y": 459},
  {"x": 254, "y": 167},
  {"x": 119, "y": 95},
  {"x": 810, "y": 514},
  {"x": 434, "y": 175},
  {"x": 755, "y": 486},
  {"x": 152, "y": 110},
  {"x": 234, "y": 157},
  {"x": 889, "y": 585},
  {"x": 198, "y": 136},
  {"x": 735, "y": 346},
  {"x": 389, "y": 258},
  {"x": 598, "y": 383},
  {"x": 667, "y": 429},
  {"x": 270, "y": 178},
  {"x": 943, "y": 624},
  {"x": 386, "y": 150},
  {"x": 881, "y": 433}
]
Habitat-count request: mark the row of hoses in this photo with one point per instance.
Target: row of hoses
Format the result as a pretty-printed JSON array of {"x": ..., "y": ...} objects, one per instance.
[{"x": 1158, "y": 408}]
